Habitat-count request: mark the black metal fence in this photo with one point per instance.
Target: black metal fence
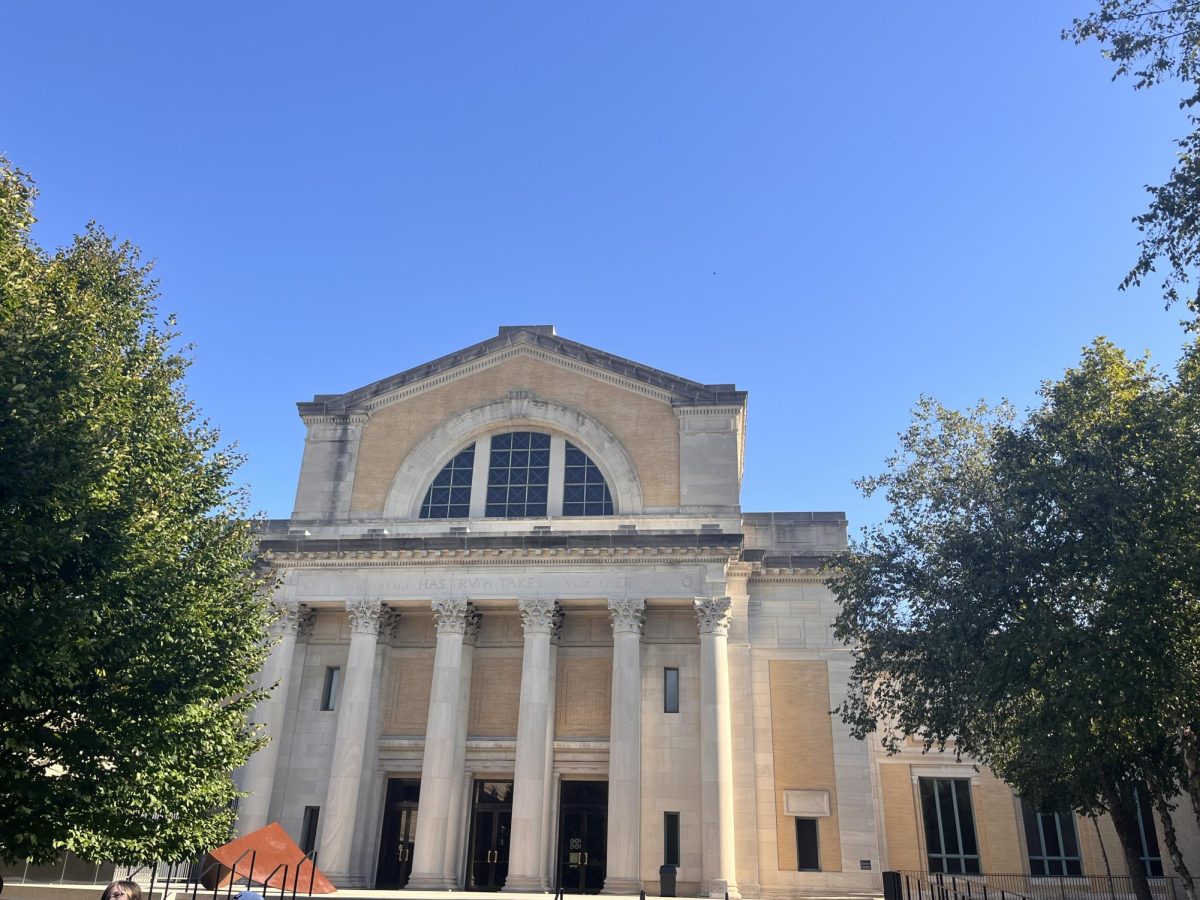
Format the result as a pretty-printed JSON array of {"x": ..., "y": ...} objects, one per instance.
[
  {"x": 910, "y": 885},
  {"x": 188, "y": 879}
]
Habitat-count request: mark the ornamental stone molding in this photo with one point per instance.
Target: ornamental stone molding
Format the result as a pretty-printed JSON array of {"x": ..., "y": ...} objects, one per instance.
[
  {"x": 389, "y": 625},
  {"x": 430, "y": 454},
  {"x": 628, "y": 615},
  {"x": 364, "y": 616},
  {"x": 450, "y": 615},
  {"x": 471, "y": 625},
  {"x": 713, "y": 614},
  {"x": 540, "y": 615}
]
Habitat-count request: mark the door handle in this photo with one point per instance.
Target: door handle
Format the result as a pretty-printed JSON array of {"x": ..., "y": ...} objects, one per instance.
[{"x": 585, "y": 859}]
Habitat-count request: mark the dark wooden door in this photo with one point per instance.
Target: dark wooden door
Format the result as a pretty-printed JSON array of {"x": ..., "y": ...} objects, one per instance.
[
  {"x": 398, "y": 833},
  {"x": 491, "y": 833}
]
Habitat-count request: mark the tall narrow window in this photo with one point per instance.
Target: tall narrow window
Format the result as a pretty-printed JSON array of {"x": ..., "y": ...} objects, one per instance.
[
  {"x": 449, "y": 497},
  {"x": 671, "y": 690},
  {"x": 329, "y": 693},
  {"x": 949, "y": 826},
  {"x": 518, "y": 475},
  {"x": 308, "y": 829},
  {"x": 1151, "y": 855},
  {"x": 808, "y": 857},
  {"x": 584, "y": 490},
  {"x": 670, "y": 839},
  {"x": 1053, "y": 843}
]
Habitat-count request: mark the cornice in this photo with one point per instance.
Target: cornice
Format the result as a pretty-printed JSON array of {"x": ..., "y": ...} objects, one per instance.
[{"x": 552, "y": 557}]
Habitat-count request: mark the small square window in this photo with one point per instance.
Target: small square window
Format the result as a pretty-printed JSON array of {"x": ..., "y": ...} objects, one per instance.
[
  {"x": 671, "y": 690},
  {"x": 329, "y": 693},
  {"x": 808, "y": 857}
]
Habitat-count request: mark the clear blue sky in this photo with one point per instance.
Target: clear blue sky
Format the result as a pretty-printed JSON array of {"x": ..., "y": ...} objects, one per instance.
[{"x": 836, "y": 206}]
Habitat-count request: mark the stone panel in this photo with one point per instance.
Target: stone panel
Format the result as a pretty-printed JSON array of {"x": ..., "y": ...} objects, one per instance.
[
  {"x": 802, "y": 738},
  {"x": 495, "y": 696},
  {"x": 584, "y": 696},
  {"x": 647, "y": 428},
  {"x": 996, "y": 812},
  {"x": 405, "y": 698}
]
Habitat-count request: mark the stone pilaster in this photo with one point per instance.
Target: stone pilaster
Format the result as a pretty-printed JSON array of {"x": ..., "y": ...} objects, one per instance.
[
  {"x": 456, "y": 825},
  {"x": 529, "y": 780},
  {"x": 625, "y": 749},
  {"x": 716, "y": 749},
  {"x": 354, "y": 707},
  {"x": 441, "y": 732},
  {"x": 258, "y": 776}
]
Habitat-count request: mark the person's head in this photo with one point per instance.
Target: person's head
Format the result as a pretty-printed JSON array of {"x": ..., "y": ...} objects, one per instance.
[{"x": 122, "y": 890}]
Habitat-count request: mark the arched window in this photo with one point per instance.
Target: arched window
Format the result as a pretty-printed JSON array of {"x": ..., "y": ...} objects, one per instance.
[
  {"x": 518, "y": 474},
  {"x": 449, "y": 497}
]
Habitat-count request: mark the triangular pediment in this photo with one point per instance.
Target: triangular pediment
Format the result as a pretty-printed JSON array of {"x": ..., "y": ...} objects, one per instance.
[{"x": 537, "y": 341}]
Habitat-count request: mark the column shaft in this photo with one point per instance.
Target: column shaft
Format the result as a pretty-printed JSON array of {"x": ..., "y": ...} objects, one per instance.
[
  {"x": 452, "y": 851},
  {"x": 258, "y": 777},
  {"x": 716, "y": 749},
  {"x": 345, "y": 774},
  {"x": 441, "y": 731},
  {"x": 625, "y": 751},
  {"x": 529, "y": 779}
]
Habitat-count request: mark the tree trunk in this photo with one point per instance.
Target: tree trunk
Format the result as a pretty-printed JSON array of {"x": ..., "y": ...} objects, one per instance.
[
  {"x": 1190, "y": 746},
  {"x": 1164, "y": 815},
  {"x": 1122, "y": 806},
  {"x": 1103, "y": 851}
]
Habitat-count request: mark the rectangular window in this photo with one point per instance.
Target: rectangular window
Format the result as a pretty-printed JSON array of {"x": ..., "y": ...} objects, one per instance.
[
  {"x": 329, "y": 693},
  {"x": 1053, "y": 843},
  {"x": 949, "y": 826},
  {"x": 308, "y": 829},
  {"x": 670, "y": 839},
  {"x": 808, "y": 857},
  {"x": 1151, "y": 855},
  {"x": 671, "y": 690}
]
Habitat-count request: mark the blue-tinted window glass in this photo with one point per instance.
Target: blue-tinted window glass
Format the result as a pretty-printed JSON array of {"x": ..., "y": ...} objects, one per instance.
[
  {"x": 449, "y": 497},
  {"x": 585, "y": 492},
  {"x": 518, "y": 474}
]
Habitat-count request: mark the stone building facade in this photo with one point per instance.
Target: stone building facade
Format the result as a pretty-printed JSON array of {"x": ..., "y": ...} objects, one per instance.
[{"x": 531, "y": 640}]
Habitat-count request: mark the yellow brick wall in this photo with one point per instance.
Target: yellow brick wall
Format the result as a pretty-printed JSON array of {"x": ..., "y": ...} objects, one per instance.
[
  {"x": 647, "y": 428},
  {"x": 495, "y": 696},
  {"x": 1089, "y": 847},
  {"x": 405, "y": 699},
  {"x": 996, "y": 825},
  {"x": 900, "y": 820},
  {"x": 802, "y": 744},
  {"x": 584, "y": 691}
]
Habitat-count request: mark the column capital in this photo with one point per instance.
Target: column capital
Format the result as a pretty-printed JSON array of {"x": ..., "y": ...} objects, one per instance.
[
  {"x": 628, "y": 615},
  {"x": 471, "y": 625},
  {"x": 540, "y": 615},
  {"x": 291, "y": 619},
  {"x": 450, "y": 615},
  {"x": 713, "y": 614},
  {"x": 389, "y": 625},
  {"x": 364, "y": 616}
]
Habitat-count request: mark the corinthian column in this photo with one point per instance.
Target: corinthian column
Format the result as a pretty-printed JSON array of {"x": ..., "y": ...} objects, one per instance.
[
  {"x": 529, "y": 779},
  {"x": 354, "y": 707},
  {"x": 258, "y": 777},
  {"x": 456, "y": 825},
  {"x": 716, "y": 748},
  {"x": 625, "y": 749},
  {"x": 441, "y": 732}
]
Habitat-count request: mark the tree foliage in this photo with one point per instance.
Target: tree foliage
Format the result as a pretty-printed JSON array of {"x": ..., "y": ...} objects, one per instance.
[
  {"x": 131, "y": 622},
  {"x": 1156, "y": 42},
  {"x": 1033, "y": 597}
]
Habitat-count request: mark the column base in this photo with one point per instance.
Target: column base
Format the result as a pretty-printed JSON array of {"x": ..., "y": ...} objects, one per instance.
[
  {"x": 426, "y": 882},
  {"x": 528, "y": 884},
  {"x": 623, "y": 886},
  {"x": 342, "y": 880},
  {"x": 717, "y": 890}
]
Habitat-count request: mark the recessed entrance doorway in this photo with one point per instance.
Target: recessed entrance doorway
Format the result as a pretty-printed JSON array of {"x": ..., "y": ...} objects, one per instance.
[
  {"x": 399, "y": 831},
  {"x": 582, "y": 835},
  {"x": 491, "y": 830}
]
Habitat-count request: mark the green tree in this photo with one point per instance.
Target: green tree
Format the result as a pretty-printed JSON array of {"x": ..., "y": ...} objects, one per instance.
[
  {"x": 1033, "y": 597},
  {"x": 1157, "y": 42},
  {"x": 131, "y": 620}
]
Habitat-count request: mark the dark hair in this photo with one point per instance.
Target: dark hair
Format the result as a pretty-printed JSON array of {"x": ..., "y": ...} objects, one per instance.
[{"x": 133, "y": 890}]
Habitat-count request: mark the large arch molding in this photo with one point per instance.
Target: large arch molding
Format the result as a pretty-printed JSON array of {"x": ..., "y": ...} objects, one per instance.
[{"x": 432, "y": 451}]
